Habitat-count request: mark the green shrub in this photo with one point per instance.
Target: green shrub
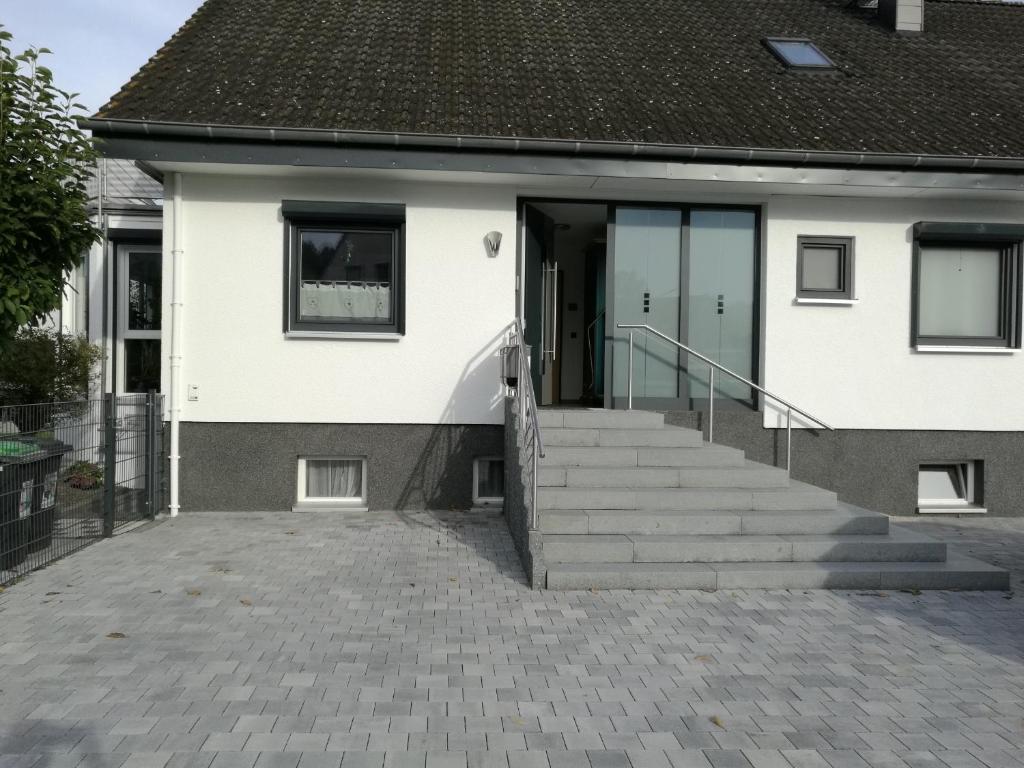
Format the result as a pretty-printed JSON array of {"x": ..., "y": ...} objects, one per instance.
[
  {"x": 43, "y": 366},
  {"x": 84, "y": 475}
]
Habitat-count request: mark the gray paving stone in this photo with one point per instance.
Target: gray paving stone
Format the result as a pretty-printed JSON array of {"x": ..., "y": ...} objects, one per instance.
[
  {"x": 608, "y": 759},
  {"x": 396, "y": 640},
  {"x": 278, "y": 760}
]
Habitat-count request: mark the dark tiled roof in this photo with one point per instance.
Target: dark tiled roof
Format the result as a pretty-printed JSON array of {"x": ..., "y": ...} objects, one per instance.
[{"x": 687, "y": 72}]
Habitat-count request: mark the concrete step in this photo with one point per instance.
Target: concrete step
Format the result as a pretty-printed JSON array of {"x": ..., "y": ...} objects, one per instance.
[
  {"x": 899, "y": 545},
  {"x": 666, "y": 437},
  {"x": 795, "y": 497},
  {"x": 844, "y": 520},
  {"x": 750, "y": 475},
  {"x": 958, "y": 572},
  {"x": 600, "y": 456},
  {"x": 599, "y": 418}
]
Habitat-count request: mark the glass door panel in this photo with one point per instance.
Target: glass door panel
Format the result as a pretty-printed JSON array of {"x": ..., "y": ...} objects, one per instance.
[
  {"x": 647, "y": 249},
  {"x": 139, "y": 320},
  {"x": 720, "y": 316}
]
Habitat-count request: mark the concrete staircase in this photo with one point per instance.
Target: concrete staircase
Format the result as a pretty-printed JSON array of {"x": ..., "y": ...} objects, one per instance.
[{"x": 626, "y": 502}]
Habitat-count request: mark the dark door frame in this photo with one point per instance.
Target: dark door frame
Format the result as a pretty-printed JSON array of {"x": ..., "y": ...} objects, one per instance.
[{"x": 683, "y": 402}]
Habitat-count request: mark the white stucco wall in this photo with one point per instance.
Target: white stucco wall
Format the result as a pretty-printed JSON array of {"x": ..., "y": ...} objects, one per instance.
[
  {"x": 458, "y": 306},
  {"x": 854, "y": 366}
]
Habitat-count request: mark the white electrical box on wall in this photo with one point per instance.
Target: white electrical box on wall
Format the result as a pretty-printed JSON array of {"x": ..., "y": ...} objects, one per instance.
[{"x": 193, "y": 392}]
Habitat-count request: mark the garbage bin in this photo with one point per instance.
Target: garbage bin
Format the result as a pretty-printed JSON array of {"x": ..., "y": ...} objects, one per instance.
[
  {"x": 29, "y": 469},
  {"x": 45, "y": 474},
  {"x": 16, "y": 491}
]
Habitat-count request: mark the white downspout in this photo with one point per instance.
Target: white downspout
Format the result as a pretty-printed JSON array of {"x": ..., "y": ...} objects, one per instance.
[{"x": 177, "y": 257}]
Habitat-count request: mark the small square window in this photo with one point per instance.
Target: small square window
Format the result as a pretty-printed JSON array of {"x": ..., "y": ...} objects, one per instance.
[
  {"x": 332, "y": 482},
  {"x": 489, "y": 480},
  {"x": 346, "y": 266},
  {"x": 953, "y": 486},
  {"x": 798, "y": 53},
  {"x": 824, "y": 268},
  {"x": 967, "y": 285}
]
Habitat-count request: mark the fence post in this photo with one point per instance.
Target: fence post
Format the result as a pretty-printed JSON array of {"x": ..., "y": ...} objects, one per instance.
[
  {"x": 109, "y": 461},
  {"x": 150, "y": 448}
]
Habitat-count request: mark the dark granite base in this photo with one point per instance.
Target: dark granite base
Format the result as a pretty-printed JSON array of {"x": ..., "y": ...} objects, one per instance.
[
  {"x": 244, "y": 466},
  {"x": 876, "y": 469}
]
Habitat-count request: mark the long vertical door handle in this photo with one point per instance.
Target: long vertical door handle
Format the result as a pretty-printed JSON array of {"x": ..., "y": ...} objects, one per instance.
[
  {"x": 554, "y": 316},
  {"x": 543, "y": 322}
]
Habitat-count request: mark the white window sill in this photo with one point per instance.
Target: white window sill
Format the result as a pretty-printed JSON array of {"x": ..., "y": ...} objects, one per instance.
[
  {"x": 928, "y": 349},
  {"x": 490, "y": 501},
  {"x": 951, "y": 509},
  {"x": 329, "y": 506},
  {"x": 342, "y": 335},
  {"x": 827, "y": 302}
]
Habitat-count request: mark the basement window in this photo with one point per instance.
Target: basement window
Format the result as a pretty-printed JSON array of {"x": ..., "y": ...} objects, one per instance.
[
  {"x": 798, "y": 54},
  {"x": 489, "y": 480},
  {"x": 332, "y": 482},
  {"x": 952, "y": 487}
]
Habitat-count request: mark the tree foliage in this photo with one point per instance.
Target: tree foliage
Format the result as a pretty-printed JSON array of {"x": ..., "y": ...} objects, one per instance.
[{"x": 45, "y": 164}]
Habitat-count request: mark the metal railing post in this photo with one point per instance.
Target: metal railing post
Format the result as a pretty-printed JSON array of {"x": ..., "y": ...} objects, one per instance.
[
  {"x": 711, "y": 405},
  {"x": 629, "y": 380},
  {"x": 533, "y": 491},
  {"x": 109, "y": 462},
  {"x": 151, "y": 454},
  {"x": 523, "y": 373},
  {"x": 789, "y": 440}
]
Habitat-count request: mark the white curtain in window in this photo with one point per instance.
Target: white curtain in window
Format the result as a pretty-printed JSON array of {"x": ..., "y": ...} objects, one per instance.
[
  {"x": 345, "y": 300},
  {"x": 334, "y": 478},
  {"x": 960, "y": 292}
]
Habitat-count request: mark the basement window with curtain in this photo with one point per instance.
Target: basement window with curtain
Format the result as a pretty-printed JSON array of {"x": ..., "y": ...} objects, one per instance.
[
  {"x": 967, "y": 286},
  {"x": 332, "y": 482},
  {"x": 346, "y": 268}
]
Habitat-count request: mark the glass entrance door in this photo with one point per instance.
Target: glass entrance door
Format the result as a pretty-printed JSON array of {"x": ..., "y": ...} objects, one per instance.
[
  {"x": 690, "y": 273},
  {"x": 720, "y": 317},
  {"x": 646, "y": 289}
]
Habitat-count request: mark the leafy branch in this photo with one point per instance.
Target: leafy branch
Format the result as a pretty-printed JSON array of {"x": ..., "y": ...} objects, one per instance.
[{"x": 45, "y": 165}]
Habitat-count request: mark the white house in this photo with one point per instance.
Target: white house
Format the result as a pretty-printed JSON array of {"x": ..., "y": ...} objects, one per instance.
[{"x": 823, "y": 197}]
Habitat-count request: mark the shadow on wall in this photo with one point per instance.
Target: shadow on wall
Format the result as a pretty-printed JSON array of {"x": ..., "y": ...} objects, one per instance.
[{"x": 444, "y": 469}]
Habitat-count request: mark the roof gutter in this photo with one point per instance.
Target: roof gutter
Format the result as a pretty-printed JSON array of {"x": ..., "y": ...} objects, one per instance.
[{"x": 154, "y": 130}]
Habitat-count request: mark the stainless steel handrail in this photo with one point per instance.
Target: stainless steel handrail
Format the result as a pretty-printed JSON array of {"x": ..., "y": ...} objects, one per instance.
[
  {"x": 790, "y": 408},
  {"x": 528, "y": 402}
]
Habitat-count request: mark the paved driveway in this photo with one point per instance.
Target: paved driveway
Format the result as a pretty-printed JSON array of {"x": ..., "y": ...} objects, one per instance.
[{"x": 304, "y": 640}]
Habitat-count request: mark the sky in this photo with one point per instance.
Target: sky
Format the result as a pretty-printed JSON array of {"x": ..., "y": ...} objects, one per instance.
[{"x": 97, "y": 44}]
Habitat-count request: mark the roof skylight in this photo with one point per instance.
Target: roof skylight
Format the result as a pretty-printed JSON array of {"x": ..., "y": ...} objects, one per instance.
[{"x": 797, "y": 53}]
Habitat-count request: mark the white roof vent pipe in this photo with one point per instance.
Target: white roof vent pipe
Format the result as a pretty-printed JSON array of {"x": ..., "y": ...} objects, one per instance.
[{"x": 905, "y": 17}]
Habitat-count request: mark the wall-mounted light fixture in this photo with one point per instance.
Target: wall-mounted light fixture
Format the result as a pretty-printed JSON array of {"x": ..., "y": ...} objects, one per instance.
[{"x": 492, "y": 240}]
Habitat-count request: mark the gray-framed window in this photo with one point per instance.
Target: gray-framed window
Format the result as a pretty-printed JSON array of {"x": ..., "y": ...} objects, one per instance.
[
  {"x": 950, "y": 486},
  {"x": 824, "y": 267},
  {"x": 345, "y": 266},
  {"x": 489, "y": 480},
  {"x": 967, "y": 285}
]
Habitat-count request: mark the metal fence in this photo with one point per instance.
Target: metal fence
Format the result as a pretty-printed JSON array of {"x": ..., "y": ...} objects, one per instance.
[{"x": 74, "y": 472}]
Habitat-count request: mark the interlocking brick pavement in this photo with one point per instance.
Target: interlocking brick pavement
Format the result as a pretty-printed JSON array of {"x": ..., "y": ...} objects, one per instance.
[{"x": 333, "y": 641}]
